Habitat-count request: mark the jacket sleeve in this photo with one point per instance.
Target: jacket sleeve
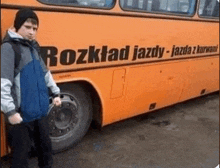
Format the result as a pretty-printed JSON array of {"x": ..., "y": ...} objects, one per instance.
[
  {"x": 49, "y": 79},
  {"x": 7, "y": 79},
  {"x": 51, "y": 84}
]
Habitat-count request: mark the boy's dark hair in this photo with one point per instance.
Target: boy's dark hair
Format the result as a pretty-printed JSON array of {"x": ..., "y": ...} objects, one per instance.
[
  {"x": 33, "y": 21},
  {"x": 22, "y": 15}
]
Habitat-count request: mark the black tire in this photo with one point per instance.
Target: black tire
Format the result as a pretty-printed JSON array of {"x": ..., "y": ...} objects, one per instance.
[{"x": 70, "y": 122}]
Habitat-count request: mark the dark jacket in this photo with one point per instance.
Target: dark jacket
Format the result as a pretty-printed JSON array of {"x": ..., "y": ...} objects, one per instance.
[{"x": 24, "y": 88}]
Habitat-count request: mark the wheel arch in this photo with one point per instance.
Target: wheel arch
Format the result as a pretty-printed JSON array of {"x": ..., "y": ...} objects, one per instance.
[{"x": 97, "y": 108}]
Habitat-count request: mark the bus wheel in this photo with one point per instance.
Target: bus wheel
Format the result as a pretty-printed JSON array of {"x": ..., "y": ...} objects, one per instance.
[{"x": 70, "y": 122}]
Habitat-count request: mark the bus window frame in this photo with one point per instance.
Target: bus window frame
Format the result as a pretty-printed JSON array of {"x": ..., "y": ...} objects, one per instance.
[
  {"x": 207, "y": 17},
  {"x": 160, "y": 13},
  {"x": 77, "y": 6}
]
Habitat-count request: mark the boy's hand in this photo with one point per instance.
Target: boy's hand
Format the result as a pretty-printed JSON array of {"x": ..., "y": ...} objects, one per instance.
[
  {"x": 15, "y": 119},
  {"x": 57, "y": 101}
]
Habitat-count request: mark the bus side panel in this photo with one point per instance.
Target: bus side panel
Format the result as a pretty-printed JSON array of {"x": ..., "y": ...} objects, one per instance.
[
  {"x": 4, "y": 146},
  {"x": 7, "y": 20},
  {"x": 202, "y": 77},
  {"x": 155, "y": 86}
]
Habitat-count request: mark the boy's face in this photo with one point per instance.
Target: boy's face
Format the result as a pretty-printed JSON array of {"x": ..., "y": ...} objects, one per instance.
[{"x": 28, "y": 31}]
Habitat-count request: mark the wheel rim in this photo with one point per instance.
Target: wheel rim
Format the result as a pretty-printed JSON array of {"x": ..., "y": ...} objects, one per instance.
[{"x": 63, "y": 120}]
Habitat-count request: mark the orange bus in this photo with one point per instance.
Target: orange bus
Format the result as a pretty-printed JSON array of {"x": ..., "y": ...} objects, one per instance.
[{"x": 114, "y": 59}]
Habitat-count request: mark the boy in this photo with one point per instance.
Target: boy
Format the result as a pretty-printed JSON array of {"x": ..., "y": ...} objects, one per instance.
[{"x": 24, "y": 91}]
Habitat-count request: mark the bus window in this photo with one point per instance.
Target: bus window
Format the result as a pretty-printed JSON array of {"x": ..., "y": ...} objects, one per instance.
[
  {"x": 109, "y": 3},
  {"x": 163, "y": 6},
  {"x": 86, "y": 3},
  {"x": 209, "y": 8}
]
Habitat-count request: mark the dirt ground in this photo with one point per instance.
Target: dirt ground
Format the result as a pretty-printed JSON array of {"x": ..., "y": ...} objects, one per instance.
[{"x": 185, "y": 135}]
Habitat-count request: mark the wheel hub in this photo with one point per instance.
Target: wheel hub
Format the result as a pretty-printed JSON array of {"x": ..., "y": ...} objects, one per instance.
[{"x": 63, "y": 119}]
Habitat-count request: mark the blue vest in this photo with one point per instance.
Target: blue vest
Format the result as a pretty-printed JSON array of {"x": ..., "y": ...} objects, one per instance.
[{"x": 34, "y": 92}]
